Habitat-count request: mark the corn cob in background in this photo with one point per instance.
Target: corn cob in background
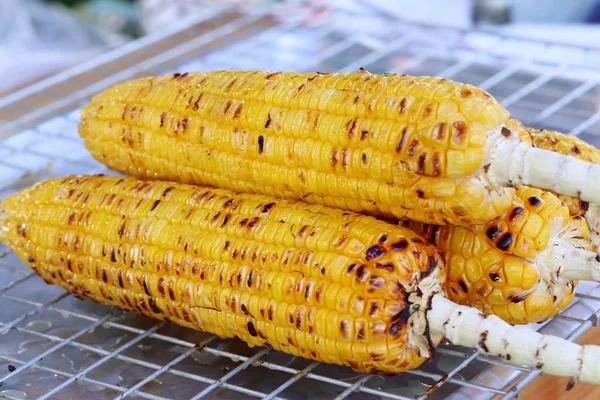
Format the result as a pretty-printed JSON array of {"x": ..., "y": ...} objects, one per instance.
[
  {"x": 315, "y": 282},
  {"x": 571, "y": 145},
  {"x": 522, "y": 266},
  {"x": 424, "y": 148}
]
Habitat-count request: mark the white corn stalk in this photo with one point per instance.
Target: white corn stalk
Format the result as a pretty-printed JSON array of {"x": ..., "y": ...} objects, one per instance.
[
  {"x": 465, "y": 326},
  {"x": 515, "y": 163}
]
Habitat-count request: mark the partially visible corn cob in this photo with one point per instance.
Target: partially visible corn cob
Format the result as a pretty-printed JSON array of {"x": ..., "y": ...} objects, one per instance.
[
  {"x": 425, "y": 148},
  {"x": 319, "y": 283},
  {"x": 513, "y": 266},
  {"x": 571, "y": 145}
]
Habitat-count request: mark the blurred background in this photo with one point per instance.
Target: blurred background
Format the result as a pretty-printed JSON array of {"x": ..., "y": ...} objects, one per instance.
[{"x": 40, "y": 37}]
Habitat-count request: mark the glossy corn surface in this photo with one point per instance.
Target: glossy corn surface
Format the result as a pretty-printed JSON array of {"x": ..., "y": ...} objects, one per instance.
[
  {"x": 314, "y": 282},
  {"x": 571, "y": 145},
  {"x": 390, "y": 145},
  {"x": 494, "y": 266}
]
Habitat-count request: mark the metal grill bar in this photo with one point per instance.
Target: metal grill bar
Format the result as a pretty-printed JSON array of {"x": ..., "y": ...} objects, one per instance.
[
  {"x": 501, "y": 75},
  {"x": 101, "y": 361},
  {"x": 420, "y": 57},
  {"x": 292, "y": 380},
  {"x": 460, "y": 66},
  {"x": 437, "y": 378},
  {"x": 449, "y": 375},
  {"x": 15, "y": 282},
  {"x": 231, "y": 374},
  {"x": 51, "y": 350},
  {"x": 563, "y": 101},
  {"x": 41, "y": 307},
  {"x": 166, "y": 367},
  {"x": 145, "y": 364},
  {"x": 370, "y": 58},
  {"x": 83, "y": 379},
  {"x": 357, "y": 385},
  {"x": 533, "y": 85},
  {"x": 585, "y": 125}
]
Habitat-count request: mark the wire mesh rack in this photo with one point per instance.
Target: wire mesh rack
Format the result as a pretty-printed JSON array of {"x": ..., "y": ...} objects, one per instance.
[{"x": 55, "y": 346}]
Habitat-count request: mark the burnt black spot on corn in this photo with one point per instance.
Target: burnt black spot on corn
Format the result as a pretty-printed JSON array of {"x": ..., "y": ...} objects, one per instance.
[
  {"x": 535, "y": 201},
  {"x": 505, "y": 241},
  {"x": 374, "y": 252},
  {"x": 261, "y": 143},
  {"x": 493, "y": 232},
  {"x": 199, "y": 286},
  {"x": 516, "y": 213}
]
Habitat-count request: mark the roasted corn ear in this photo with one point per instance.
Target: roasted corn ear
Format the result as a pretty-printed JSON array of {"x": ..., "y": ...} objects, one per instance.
[
  {"x": 424, "y": 148},
  {"x": 522, "y": 266},
  {"x": 315, "y": 282}
]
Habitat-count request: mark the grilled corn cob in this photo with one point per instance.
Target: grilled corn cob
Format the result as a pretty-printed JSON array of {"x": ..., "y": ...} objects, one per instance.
[
  {"x": 568, "y": 144},
  {"x": 315, "y": 282},
  {"x": 521, "y": 267},
  {"x": 424, "y": 148}
]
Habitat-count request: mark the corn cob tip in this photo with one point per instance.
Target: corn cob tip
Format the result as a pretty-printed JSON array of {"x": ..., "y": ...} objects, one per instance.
[
  {"x": 565, "y": 259},
  {"x": 574, "y": 264},
  {"x": 465, "y": 326},
  {"x": 514, "y": 162},
  {"x": 592, "y": 217}
]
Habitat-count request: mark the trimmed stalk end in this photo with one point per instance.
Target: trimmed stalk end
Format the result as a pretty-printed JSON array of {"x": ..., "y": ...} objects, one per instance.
[
  {"x": 465, "y": 326},
  {"x": 574, "y": 263}
]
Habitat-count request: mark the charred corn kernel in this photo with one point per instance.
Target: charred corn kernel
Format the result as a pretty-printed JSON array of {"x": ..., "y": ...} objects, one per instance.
[
  {"x": 390, "y": 145},
  {"x": 570, "y": 145},
  {"x": 501, "y": 267},
  {"x": 308, "y": 280}
]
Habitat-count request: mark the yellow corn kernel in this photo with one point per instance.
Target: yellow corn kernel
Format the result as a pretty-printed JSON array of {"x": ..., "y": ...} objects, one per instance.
[
  {"x": 542, "y": 238},
  {"x": 501, "y": 310},
  {"x": 533, "y": 226},
  {"x": 496, "y": 297},
  {"x": 524, "y": 247},
  {"x": 538, "y": 304},
  {"x": 531, "y": 276},
  {"x": 473, "y": 269},
  {"x": 517, "y": 311},
  {"x": 458, "y": 266},
  {"x": 513, "y": 270},
  {"x": 218, "y": 261}
]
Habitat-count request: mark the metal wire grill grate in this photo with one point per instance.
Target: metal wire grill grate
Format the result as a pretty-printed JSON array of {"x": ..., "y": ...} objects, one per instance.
[{"x": 55, "y": 346}]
